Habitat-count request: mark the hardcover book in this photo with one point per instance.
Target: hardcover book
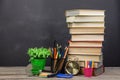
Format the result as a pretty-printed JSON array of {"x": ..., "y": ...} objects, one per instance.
[
  {"x": 85, "y": 24},
  {"x": 78, "y": 57},
  {"x": 72, "y": 19},
  {"x": 84, "y": 12},
  {"x": 85, "y": 49},
  {"x": 87, "y": 30},
  {"x": 87, "y": 37},
  {"x": 85, "y": 44}
]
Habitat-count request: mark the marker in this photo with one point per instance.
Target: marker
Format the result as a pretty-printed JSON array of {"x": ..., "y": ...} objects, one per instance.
[
  {"x": 92, "y": 64},
  {"x": 86, "y": 65}
]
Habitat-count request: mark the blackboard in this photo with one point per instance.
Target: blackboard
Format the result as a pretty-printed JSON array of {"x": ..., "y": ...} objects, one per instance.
[{"x": 36, "y": 23}]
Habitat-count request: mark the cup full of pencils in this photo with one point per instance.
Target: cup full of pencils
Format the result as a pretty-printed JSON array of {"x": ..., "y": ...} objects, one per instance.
[
  {"x": 55, "y": 55},
  {"x": 88, "y": 70}
]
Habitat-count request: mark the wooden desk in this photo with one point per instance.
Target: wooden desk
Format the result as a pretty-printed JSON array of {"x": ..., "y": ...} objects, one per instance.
[{"x": 18, "y": 73}]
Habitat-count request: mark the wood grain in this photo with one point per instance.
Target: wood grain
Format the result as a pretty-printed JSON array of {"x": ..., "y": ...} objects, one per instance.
[{"x": 19, "y": 73}]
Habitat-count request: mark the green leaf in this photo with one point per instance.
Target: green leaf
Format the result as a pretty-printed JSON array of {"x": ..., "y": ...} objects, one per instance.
[{"x": 38, "y": 52}]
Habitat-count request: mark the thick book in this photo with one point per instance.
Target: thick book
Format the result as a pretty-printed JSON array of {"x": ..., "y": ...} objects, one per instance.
[
  {"x": 87, "y": 30},
  {"x": 78, "y": 57},
  {"x": 85, "y": 44},
  {"x": 96, "y": 64},
  {"x": 84, "y": 12},
  {"x": 87, "y": 37},
  {"x": 85, "y": 24},
  {"x": 72, "y": 19},
  {"x": 75, "y": 50},
  {"x": 83, "y": 53}
]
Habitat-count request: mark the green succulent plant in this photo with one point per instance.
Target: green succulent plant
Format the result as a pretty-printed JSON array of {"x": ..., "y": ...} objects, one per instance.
[{"x": 38, "y": 53}]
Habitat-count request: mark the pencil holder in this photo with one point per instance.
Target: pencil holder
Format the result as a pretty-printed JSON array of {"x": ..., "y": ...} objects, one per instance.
[{"x": 88, "y": 72}]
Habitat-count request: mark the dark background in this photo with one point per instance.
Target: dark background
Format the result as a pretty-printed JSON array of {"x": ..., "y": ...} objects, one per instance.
[{"x": 36, "y": 23}]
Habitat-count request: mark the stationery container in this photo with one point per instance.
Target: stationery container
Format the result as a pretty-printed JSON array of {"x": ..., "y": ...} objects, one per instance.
[{"x": 88, "y": 72}]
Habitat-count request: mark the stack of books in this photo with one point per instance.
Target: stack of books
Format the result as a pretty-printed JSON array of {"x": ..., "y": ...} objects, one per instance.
[{"x": 87, "y": 35}]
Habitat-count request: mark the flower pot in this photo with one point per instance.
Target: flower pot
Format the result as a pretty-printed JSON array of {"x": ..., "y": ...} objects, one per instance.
[{"x": 37, "y": 65}]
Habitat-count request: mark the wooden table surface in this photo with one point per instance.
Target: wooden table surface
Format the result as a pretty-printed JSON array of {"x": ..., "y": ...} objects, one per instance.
[{"x": 19, "y": 73}]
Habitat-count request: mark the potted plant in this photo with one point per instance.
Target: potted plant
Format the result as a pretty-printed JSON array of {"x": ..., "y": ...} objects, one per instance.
[{"x": 38, "y": 58}]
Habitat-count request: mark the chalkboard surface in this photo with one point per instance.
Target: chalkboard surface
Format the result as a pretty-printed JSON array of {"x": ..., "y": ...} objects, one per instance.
[{"x": 37, "y": 23}]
